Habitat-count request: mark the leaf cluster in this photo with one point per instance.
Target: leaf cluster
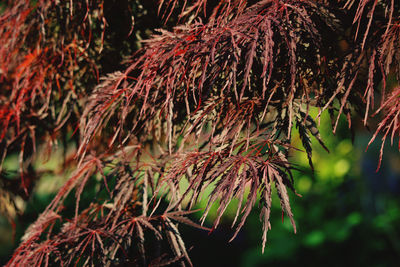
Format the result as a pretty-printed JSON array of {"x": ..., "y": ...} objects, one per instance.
[{"x": 212, "y": 101}]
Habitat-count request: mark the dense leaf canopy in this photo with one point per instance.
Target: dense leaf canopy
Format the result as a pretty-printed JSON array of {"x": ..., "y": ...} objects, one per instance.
[{"x": 210, "y": 99}]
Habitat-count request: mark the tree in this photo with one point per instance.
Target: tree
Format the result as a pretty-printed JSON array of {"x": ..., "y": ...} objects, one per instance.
[{"x": 210, "y": 99}]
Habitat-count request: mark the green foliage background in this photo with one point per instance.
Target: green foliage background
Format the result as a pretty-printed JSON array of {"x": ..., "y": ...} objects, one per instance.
[{"x": 348, "y": 214}]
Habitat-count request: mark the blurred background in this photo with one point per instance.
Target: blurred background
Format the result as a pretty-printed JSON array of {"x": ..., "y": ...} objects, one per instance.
[{"x": 348, "y": 214}]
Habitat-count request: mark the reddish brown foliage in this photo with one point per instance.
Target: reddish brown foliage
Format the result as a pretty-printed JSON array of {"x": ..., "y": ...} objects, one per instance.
[{"x": 212, "y": 101}]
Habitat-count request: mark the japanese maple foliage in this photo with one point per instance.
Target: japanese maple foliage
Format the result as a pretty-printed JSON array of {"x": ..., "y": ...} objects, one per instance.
[{"x": 212, "y": 101}]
